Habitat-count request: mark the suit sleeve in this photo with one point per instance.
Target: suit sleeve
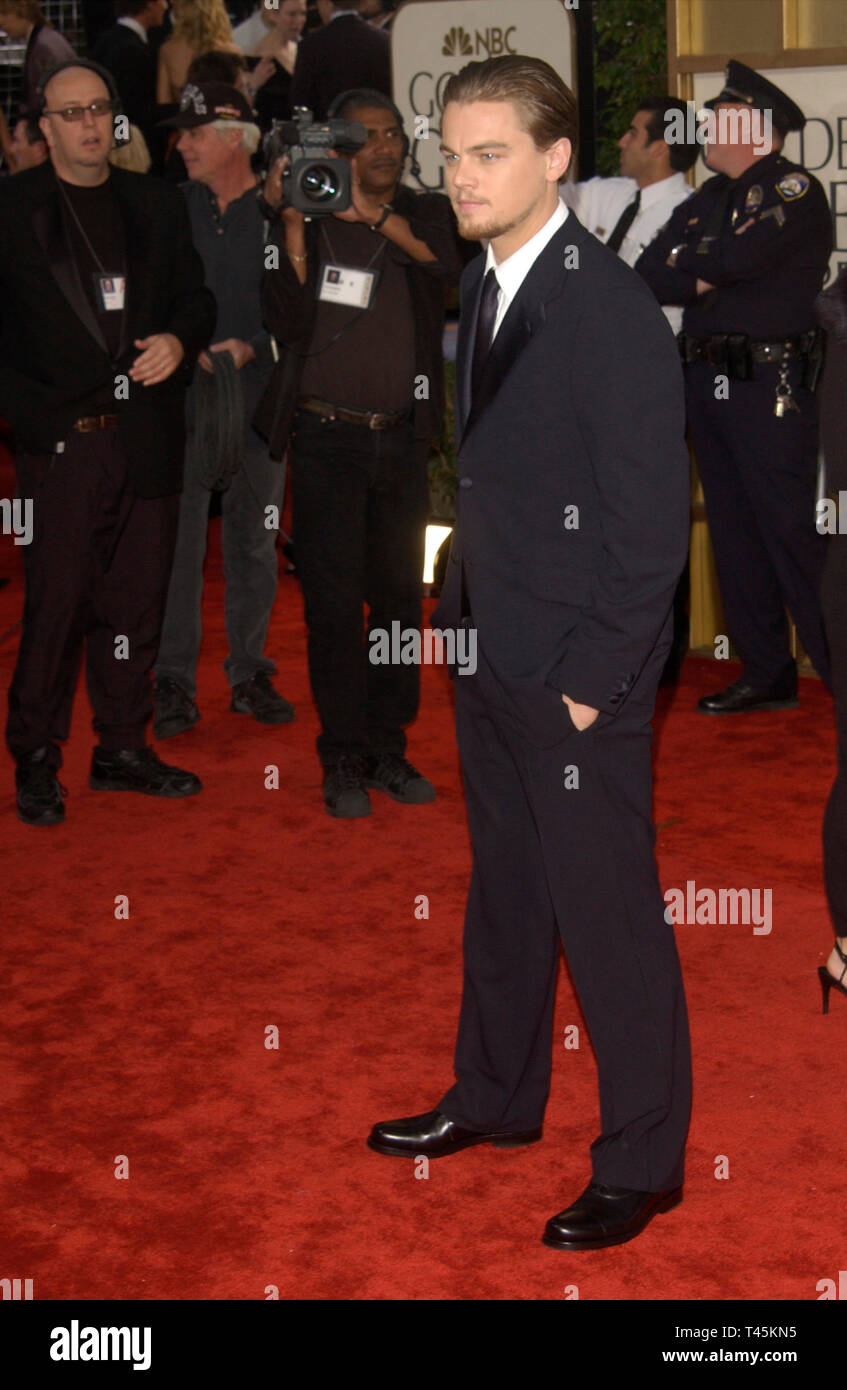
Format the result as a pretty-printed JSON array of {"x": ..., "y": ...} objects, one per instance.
[
  {"x": 431, "y": 220},
  {"x": 627, "y": 393},
  {"x": 193, "y": 310},
  {"x": 302, "y": 82}
]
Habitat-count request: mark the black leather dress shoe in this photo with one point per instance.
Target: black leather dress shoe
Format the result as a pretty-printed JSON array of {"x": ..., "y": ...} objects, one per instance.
[
  {"x": 434, "y": 1136},
  {"x": 606, "y": 1216},
  {"x": 139, "y": 770},
  {"x": 742, "y": 696}
]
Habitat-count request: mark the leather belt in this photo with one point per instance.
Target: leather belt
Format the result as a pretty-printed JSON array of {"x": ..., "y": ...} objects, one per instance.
[
  {"x": 373, "y": 419},
  {"x": 86, "y": 423}
]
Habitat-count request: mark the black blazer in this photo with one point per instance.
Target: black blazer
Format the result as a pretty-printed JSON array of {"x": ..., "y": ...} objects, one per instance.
[
  {"x": 52, "y": 353},
  {"x": 290, "y": 310},
  {"x": 345, "y": 53},
  {"x": 132, "y": 63},
  {"x": 581, "y": 405}
]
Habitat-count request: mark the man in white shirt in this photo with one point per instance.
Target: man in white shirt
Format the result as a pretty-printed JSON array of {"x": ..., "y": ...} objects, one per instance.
[{"x": 627, "y": 212}]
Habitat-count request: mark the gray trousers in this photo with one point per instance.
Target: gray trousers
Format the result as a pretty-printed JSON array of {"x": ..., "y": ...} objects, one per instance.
[{"x": 249, "y": 555}]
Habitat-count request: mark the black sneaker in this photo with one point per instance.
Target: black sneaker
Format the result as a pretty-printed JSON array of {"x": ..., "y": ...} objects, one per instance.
[
  {"x": 392, "y": 774},
  {"x": 344, "y": 788},
  {"x": 174, "y": 711},
  {"x": 139, "y": 770},
  {"x": 40, "y": 793},
  {"x": 258, "y": 697}
]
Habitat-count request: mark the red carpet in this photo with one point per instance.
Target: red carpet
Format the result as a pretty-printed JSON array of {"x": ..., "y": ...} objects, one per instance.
[{"x": 250, "y": 909}]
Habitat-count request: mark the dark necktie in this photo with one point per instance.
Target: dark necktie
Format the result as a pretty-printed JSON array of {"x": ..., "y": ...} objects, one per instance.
[
  {"x": 484, "y": 328},
  {"x": 624, "y": 223}
]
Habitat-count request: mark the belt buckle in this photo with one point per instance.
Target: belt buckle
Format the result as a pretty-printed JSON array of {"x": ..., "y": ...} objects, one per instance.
[{"x": 376, "y": 421}]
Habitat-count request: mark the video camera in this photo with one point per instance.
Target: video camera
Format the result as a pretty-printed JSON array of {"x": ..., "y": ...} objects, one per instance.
[{"x": 314, "y": 182}]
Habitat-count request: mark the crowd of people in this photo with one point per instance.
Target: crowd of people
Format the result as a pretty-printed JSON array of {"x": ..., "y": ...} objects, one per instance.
[{"x": 168, "y": 334}]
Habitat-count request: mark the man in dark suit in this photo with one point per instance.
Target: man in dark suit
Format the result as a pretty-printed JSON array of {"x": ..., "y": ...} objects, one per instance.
[
  {"x": 571, "y": 534},
  {"x": 92, "y": 382},
  {"x": 347, "y": 52},
  {"x": 125, "y": 50}
]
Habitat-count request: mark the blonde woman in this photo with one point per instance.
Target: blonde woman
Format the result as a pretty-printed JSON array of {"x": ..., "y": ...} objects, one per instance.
[
  {"x": 269, "y": 81},
  {"x": 200, "y": 26},
  {"x": 135, "y": 156}
]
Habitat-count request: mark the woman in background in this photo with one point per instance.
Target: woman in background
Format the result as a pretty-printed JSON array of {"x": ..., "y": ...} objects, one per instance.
[
  {"x": 24, "y": 21},
  {"x": 134, "y": 156},
  {"x": 198, "y": 27},
  {"x": 831, "y": 307},
  {"x": 269, "y": 81}
]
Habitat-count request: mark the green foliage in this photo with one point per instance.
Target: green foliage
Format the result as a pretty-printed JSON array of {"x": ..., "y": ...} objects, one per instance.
[{"x": 630, "y": 57}]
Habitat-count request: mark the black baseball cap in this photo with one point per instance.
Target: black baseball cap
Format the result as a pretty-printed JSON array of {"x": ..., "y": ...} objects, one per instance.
[
  {"x": 204, "y": 102},
  {"x": 745, "y": 84}
]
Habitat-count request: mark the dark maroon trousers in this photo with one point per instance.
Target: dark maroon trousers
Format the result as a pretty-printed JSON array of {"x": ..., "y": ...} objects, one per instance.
[{"x": 96, "y": 572}]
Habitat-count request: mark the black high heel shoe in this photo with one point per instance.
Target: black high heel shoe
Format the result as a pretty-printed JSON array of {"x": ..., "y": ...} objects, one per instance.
[{"x": 829, "y": 982}]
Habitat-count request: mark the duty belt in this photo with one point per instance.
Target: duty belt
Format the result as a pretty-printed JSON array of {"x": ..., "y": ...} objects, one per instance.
[
  {"x": 735, "y": 354},
  {"x": 373, "y": 419}
]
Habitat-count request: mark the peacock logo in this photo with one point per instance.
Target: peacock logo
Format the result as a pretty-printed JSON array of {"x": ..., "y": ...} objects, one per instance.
[{"x": 456, "y": 40}]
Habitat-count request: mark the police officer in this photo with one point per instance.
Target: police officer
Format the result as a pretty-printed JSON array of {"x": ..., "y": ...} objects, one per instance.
[{"x": 746, "y": 256}]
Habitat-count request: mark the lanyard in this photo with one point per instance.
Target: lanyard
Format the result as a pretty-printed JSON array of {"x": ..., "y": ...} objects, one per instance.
[
  {"x": 335, "y": 261},
  {"x": 72, "y": 211}
]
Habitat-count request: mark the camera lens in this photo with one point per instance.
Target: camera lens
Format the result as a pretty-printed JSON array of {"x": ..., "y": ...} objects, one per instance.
[{"x": 319, "y": 183}]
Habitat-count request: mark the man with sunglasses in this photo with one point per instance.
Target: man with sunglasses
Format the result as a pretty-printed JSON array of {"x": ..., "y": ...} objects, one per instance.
[{"x": 104, "y": 310}]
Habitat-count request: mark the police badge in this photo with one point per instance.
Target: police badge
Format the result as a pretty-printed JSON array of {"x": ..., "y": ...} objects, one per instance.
[{"x": 792, "y": 186}]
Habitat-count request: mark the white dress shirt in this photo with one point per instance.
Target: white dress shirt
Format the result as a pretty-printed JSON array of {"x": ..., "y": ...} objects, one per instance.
[
  {"x": 250, "y": 32},
  {"x": 511, "y": 272},
  {"x": 133, "y": 24},
  {"x": 598, "y": 203}
]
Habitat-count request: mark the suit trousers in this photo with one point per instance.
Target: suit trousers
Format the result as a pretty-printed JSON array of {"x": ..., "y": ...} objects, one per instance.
[
  {"x": 249, "y": 556},
  {"x": 96, "y": 571},
  {"x": 556, "y": 859},
  {"x": 360, "y": 500},
  {"x": 759, "y": 475}
]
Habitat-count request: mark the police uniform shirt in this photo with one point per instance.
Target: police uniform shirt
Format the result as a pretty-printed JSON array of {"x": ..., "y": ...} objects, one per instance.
[
  {"x": 762, "y": 240},
  {"x": 598, "y": 203}
]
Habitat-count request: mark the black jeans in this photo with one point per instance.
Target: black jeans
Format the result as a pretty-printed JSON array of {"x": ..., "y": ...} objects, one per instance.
[{"x": 360, "y": 504}]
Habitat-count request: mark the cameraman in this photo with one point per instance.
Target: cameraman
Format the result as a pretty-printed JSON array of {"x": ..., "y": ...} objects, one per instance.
[{"x": 361, "y": 388}]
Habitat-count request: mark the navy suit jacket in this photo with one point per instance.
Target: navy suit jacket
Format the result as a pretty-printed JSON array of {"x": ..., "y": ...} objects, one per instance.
[{"x": 581, "y": 406}]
